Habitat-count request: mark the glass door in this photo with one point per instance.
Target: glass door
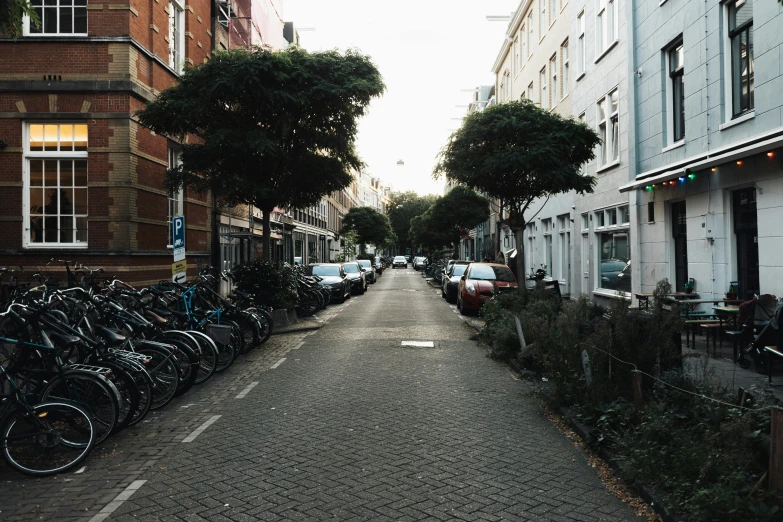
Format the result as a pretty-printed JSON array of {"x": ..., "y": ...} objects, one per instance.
[
  {"x": 746, "y": 234},
  {"x": 680, "y": 237}
]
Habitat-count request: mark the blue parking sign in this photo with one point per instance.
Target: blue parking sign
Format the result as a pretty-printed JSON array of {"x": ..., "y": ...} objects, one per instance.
[{"x": 178, "y": 237}]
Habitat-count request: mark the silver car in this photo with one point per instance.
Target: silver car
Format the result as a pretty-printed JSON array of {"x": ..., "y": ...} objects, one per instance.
[
  {"x": 450, "y": 281},
  {"x": 369, "y": 270}
]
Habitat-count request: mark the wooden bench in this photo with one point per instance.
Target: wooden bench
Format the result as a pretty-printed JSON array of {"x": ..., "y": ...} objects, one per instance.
[
  {"x": 701, "y": 323},
  {"x": 771, "y": 351}
]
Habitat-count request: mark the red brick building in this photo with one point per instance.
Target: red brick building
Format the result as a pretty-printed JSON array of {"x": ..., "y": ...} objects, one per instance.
[{"x": 81, "y": 178}]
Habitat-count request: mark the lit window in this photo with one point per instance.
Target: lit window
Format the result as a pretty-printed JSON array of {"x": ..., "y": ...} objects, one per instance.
[
  {"x": 176, "y": 35},
  {"x": 55, "y": 183},
  {"x": 676, "y": 104},
  {"x": 609, "y": 128},
  {"x": 605, "y": 25},
  {"x": 742, "y": 67},
  {"x": 564, "y": 58},
  {"x": 553, "y": 85},
  {"x": 176, "y": 202},
  {"x": 580, "y": 43},
  {"x": 58, "y": 17}
]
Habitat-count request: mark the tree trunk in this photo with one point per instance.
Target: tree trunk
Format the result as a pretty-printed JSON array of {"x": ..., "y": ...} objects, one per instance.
[
  {"x": 267, "y": 244},
  {"x": 519, "y": 239},
  {"x": 456, "y": 249}
]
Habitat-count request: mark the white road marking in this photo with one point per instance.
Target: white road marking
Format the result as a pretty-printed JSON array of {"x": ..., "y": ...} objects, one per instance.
[
  {"x": 80, "y": 470},
  {"x": 246, "y": 390},
  {"x": 112, "y": 506},
  {"x": 278, "y": 363},
  {"x": 298, "y": 346},
  {"x": 200, "y": 429},
  {"x": 420, "y": 344}
]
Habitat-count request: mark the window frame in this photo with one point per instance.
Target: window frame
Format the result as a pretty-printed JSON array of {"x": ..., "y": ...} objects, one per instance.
[
  {"x": 542, "y": 19},
  {"x": 542, "y": 94},
  {"x": 28, "y": 28},
  {"x": 734, "y": 82},
  {"x": 27, "y": 156},
  {"x": 606, "y": 22},
  {"x": 611, "y": 123},
  {"x": 565, "y": 61},
  {"x": 530, "y": 35},
  {"x": 523, "y": 42},
  {"x": 553, "y": 98},
  {"x": 675, "y": 105},
  {"x": 580, "y": 48},
  {"x": 176, "y": 40}
]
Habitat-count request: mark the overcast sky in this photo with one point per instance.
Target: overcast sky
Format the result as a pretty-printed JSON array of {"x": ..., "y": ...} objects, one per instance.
[{"x": 428, "y": 51}]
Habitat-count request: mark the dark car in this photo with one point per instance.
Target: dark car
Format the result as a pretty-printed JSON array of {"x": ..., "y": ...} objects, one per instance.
[
  {"x": 369, "y": 273},
  {"x": 333, "y": 276},
  {"x": 450, "y": 280},
  {"x": 400, "y": 261},
  {"x": 616, "y": 274},
  {"x": 419, "y": 263},
  {"x": 378, "y": 265},
  {"x": 480, "y": 282},
  {"x": 355, "y": 275}
]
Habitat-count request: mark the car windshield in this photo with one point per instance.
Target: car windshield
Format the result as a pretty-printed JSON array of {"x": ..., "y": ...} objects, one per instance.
[
  {"x": 492, "y": 273},
  {"x": 326, "y": 270},
  {"x": 351, "y": 268},
  {"x": 399, "y": 258},
  {"x": 458, "y": 270},
  {"x": 365, "y": 262}
]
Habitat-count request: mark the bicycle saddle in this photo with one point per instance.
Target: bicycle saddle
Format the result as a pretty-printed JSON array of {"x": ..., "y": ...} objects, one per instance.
[{"x": 111, "y": 337}]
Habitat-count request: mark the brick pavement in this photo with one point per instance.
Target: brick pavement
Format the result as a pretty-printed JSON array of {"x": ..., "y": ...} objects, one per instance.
[{"x": 351, "y": 426}]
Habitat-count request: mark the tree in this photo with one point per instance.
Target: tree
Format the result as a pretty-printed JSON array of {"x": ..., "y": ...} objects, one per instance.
[
  {"x": 12, "y": 12},
  {"x": 273, "y": 129},
  {"x": 370, "y": 226},
  {"x": 421, "y": 233},
  {"x": 403, "y": 207},
  {"x": 518, "y": 152},
  {"x": 450, "y": 217}
]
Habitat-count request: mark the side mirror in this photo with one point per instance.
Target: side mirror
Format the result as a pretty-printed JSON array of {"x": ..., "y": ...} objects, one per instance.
[{"x": 364, "y": 269}]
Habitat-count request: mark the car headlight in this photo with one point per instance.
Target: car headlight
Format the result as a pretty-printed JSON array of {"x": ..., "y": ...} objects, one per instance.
[{"x": 470, "y": 288}]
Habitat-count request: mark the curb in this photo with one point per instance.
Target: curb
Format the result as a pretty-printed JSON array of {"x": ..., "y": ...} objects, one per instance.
[
  {"x": 647, "y": 494},
  {"x": 295, "y": 329}
]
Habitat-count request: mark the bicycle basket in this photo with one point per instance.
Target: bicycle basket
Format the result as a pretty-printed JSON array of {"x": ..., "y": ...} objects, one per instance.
[{"x": 219, "y": 333}]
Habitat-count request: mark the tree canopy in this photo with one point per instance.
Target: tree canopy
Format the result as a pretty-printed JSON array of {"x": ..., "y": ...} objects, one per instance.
[
  {"x": 370, "y": 226},
  {"x": 451, "y": 216},
  {"x": 273, "y": 129},
  {"x": 518, "y": 152},
  {"x": 403, "y": 207},
  {"x": 12, "y": 13}
]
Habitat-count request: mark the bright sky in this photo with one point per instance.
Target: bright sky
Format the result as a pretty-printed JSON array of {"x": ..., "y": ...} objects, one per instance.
[{"x": 428, "y": 52}]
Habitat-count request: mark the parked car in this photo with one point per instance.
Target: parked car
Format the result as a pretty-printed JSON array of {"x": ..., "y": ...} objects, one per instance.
[
  {"x": 355, "y": 274},
  {"x": 407, "y": 258},
  {"x": 615, "y": 274},
  {"x": 369, "y": 270},
  {"x": 378, "y": 265},
  {"x": 333, "y": 276},
  {"x": 400, "y": 261},
  {"x": 450, "y": 280},
  {"x": 480, "y": 282},
  {"x": 419, "y": 263},
  {"x": 297, "y": 260}
]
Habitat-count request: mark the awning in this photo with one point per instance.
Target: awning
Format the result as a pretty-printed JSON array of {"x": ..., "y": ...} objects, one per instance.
[{"x": 706, "y": 163}]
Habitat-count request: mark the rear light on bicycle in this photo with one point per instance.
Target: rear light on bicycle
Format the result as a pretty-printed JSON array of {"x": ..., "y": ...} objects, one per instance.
[{"x": 43, "y": 414}]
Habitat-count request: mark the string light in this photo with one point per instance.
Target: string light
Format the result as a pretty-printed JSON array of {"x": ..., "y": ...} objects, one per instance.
[
  {"x": 714, "y": 169},
  {"x": 770, "y": 154},
  {"x": 739, "y": 163},
  {"x": 691, "y": 176}
]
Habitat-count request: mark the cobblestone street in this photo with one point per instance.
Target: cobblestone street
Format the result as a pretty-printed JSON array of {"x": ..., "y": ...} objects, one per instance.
[{"x": 345, "y": 423}]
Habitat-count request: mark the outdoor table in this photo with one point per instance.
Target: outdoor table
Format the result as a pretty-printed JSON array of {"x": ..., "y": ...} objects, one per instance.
[
  {"x": 771, "y": 351},
  {"x": 644, "y": 297}
]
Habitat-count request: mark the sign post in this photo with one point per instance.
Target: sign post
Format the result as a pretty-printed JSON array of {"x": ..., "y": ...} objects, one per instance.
[{"x": 179, "y": 268}]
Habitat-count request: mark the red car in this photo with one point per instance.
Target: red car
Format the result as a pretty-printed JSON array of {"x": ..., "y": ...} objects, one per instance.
[{"x": 480, "y": 282}]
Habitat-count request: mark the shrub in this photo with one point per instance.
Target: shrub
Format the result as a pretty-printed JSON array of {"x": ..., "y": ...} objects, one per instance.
[{"x": 270, "y": 283}]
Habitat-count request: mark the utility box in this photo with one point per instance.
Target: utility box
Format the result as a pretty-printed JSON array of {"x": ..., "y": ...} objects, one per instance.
[{"x": 707, "y": 230}]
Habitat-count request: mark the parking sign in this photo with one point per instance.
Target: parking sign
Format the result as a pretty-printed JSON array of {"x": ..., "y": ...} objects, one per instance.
[{"x": 178, "y": 236}]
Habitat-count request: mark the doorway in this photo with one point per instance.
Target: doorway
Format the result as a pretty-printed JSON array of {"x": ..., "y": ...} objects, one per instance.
[
  {"x": 680, "y": 237},
  {"x": 746, "y": 234}
]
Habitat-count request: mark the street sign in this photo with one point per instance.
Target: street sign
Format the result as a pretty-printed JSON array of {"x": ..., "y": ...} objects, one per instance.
[
  {"x": 179, "y": 271},
  {"x": 179, "y": 278},
  {"x": 178, "y": 237}
]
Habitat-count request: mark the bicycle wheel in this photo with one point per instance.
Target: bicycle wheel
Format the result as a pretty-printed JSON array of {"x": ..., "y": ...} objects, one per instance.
[
  {"x": 164, "y": 371},
  {"x": 129, "y": 393},
  {"x": 56, "y": 438},
  {"x": 92, "y": 392},
  {"x": 208, "y": 355}
]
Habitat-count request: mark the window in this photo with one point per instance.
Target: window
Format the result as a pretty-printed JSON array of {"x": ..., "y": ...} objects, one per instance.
[
  {"x": 564, "y": 222},
  {"x": 611, "y": 217},
  {"x": 605, "y": 25},
  {"x": 580, "y": 43},
  {"x": 564, "y": 59},
  {"x": 55, "y": 207},
  {"x": 517, "y": 65},
  {"x": 677, "y": 94},
  {"x": 523, "y": 38},
  {"x": 609, "y": 129},
  {"x": 530, "y": 39},
  {"x": 583, "y": 171},
  {"x": 542, "y": 80},
  {"x": 548, "y": 253},
  {"x": 741, "y": 37},
  {"x": 615, "y": 261},
  {"x": 599, "y": 219},
  {"x": 176, "y": 202},
  {"x": 530, "y": 91},
  {"x": 585, "y": 222},
  {"x": 531, "y": 238},
  {"x": 176, "y": 35},
  {"x": 552, "y": 11},
  {"x": 553, "y": 86},
  {"x": 624, "y": 216},
  {"x": 59, "y": 17},
  {"x": 542, "y": 19}
]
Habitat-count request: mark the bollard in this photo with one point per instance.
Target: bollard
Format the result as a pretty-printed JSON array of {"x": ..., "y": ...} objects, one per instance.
[{"x": 776, "y": 450}]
